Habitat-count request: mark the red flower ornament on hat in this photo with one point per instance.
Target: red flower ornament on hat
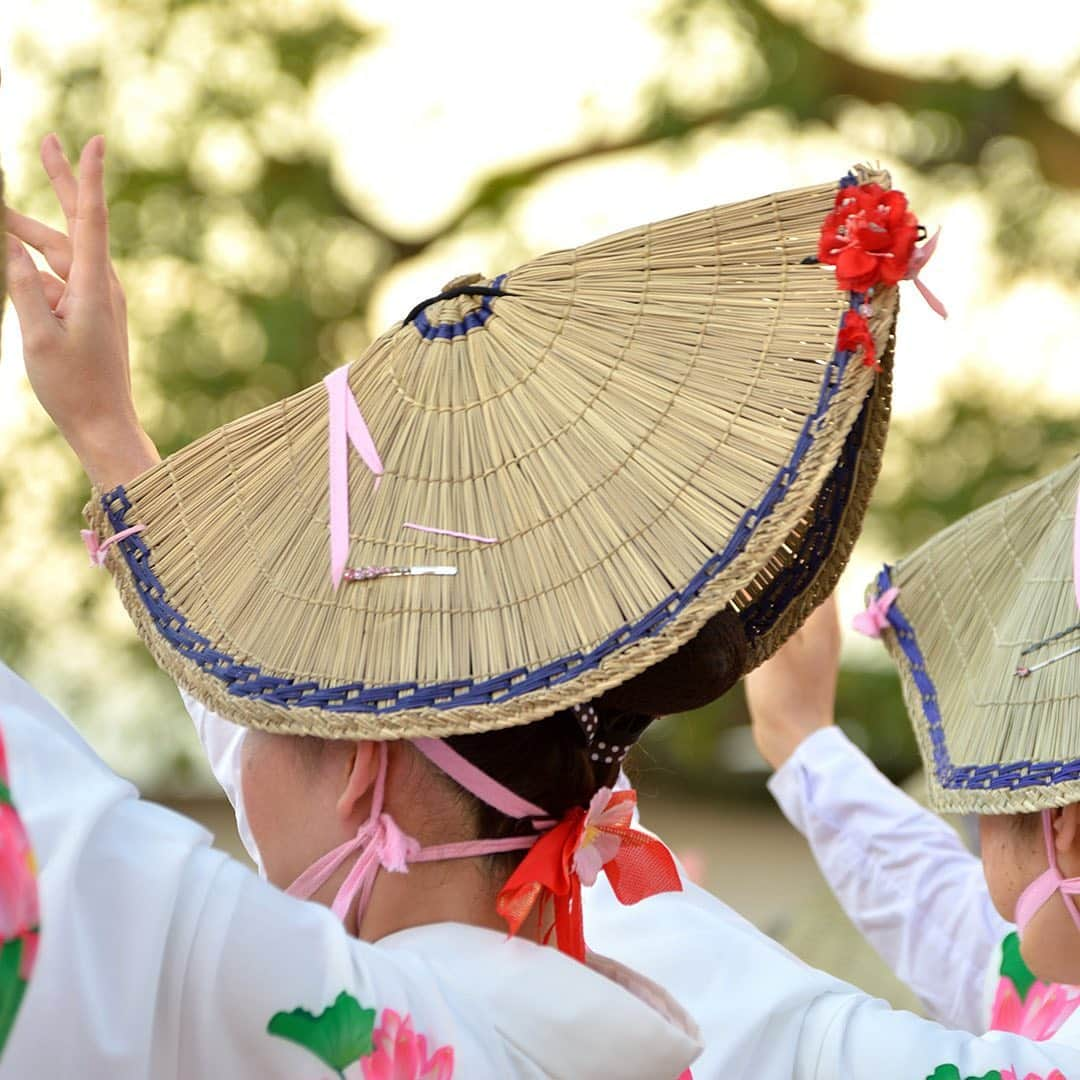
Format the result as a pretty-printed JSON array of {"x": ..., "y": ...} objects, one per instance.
[
  {"x": 855, "y": 334},
  {"x": 574, "y": 852},
  {"x": 869, "y": 237}
]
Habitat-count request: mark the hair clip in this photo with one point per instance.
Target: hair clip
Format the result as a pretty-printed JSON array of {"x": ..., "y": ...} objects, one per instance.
[
  {"x": 1024, "y": 670},
  {"x": 587, "y": 718},
  {"x": 608, "y": 753},
  {"x": 370, "y": 573}
]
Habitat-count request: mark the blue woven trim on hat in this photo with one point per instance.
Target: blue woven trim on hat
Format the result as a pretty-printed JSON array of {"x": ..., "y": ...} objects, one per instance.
[
  {"x": 248, "y": 680},
  {"x": 476, "y": 317},
  {"x": 1011, "y": 776},
  {"x": 819, "y": 540}
]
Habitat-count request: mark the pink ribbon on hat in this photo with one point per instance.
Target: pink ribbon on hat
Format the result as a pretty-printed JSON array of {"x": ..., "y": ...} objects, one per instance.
[
  {"x": 347, "y": 425},
  {"x": 876, "y": 616},
  {"x": 919, "y": 258},
  {"x": 98, "y": 548}
]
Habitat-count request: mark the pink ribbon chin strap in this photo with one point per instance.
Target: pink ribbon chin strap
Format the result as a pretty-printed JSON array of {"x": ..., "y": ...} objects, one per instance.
[
  {"x": 381, "y": 843},
  {"x": 1050, "y": 881}
]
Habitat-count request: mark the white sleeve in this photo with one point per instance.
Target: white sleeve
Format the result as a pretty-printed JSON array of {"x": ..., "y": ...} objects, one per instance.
[
  {"x": 852, "y": 1035},
  {"x": 901, "y": 874},
  {"x": 160, "y": 957},
  {"x": 221, "y": 741},
  {"x": 765, "y": 1014}
]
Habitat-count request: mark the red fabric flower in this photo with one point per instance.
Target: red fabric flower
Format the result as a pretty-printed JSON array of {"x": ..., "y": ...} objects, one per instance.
[
  {"x": 854, "y": 332},
  {"x": 637, "y": 866},
  {"x": 869, "y": 237}
]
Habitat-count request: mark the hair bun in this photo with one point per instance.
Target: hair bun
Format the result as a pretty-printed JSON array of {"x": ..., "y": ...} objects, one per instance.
[{"x": 702, "y": 670}]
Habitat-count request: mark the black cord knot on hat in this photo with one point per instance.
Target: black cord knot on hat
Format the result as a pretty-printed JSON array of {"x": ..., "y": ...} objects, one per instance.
[{"x": 460, "y": 286}]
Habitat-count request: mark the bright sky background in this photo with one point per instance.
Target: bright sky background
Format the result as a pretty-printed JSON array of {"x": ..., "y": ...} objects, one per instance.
[{"x": 447, "y": 96}]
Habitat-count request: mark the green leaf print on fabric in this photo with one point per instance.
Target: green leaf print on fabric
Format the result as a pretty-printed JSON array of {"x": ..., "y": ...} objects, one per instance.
[
  {"x": 1013, "y": 967},
  {"x": 339, "y": 1035},
  {"x": 12, "y": 984},
  {"x": 951, "y": 1072}
]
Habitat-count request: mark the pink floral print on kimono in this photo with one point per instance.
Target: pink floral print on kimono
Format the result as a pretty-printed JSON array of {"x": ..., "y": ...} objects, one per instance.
[
  {"x": 345, "y": 1037},
  {"x": 1023, "y": 1004},
  {"x": 18, "y": 906},
  {"x": 400, "y": 1054}
]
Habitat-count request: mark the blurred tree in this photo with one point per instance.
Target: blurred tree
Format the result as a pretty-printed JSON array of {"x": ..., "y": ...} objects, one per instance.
[{"x": 249, "y": 265}]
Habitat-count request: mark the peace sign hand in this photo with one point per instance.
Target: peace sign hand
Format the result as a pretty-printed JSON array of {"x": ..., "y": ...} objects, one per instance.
[{"x": 74, "y": 324}]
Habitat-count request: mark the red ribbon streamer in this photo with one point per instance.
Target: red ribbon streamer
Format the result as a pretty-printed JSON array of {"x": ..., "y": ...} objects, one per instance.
[{"x": 642, "y": 867}]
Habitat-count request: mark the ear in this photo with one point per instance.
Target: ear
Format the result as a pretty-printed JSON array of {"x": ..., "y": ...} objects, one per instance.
[
  {"x": 1067, "y": 829},
  {"x": 362, "y": 767}
]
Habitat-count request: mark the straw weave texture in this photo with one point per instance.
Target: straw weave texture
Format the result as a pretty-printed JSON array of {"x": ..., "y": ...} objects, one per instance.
[
  {"x": 610, "y": 424},
  {"x": 976, "y": 596}
]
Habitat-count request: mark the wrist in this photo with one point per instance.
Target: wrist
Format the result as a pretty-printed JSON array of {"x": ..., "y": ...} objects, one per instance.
[
  {"x": 783, "y": 739},
  {"x": 114, "y": 453}
]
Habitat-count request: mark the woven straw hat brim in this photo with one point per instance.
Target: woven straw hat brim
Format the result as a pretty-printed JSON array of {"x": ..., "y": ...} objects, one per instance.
[
  {"x": 971, "y": 601},
  {"x": 806, "y": 568},
  {"x": 651, "y": 428}
]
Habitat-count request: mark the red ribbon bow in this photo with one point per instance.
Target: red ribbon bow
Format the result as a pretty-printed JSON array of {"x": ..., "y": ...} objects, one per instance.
[{"x": 637, "y": 865}]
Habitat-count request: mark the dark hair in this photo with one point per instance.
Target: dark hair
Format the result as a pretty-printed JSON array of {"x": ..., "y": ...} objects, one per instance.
[{"x": 550, "y": 762}]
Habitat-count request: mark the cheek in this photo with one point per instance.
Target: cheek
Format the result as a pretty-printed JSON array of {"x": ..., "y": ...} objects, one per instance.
[
  {"x": 267, "y": 783},
  {"x": 1007, "y": 860},
  {"x": 290, "y": 806}
]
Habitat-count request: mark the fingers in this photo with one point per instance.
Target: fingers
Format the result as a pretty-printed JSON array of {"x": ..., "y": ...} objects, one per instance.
[
  {"x": 54, "y": 245},
  {"x": 61, "y": 177},
  {"x": 53, "y": 288},
  {"x": 28, "y": 295},
  {"x": 91, "y": 273}
]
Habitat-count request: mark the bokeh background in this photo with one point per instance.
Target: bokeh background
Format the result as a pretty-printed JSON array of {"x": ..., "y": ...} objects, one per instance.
[{"x": 289, "y": 176}]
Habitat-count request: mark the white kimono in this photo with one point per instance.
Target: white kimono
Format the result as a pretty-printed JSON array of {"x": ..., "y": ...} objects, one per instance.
[
  {"x": 162, "y": 959},
  {"x": 763, "y": 1013},
  {"x": 917, "y": 894}
]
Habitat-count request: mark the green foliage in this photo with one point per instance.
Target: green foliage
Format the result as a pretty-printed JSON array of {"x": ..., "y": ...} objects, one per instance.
[
  {"x": 975, "y": 446},
  {"x": 224, "y": 204}
]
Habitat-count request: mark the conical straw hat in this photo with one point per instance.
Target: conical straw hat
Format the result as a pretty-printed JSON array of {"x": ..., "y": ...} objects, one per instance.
[
  {"x": 633, "y": 436},
  {"x": 985, "y": 633}
]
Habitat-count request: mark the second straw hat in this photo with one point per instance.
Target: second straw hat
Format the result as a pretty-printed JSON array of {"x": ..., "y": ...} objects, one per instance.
[
  {"x": 539, "y": 485},
  {"x": 983, "y": 622}
]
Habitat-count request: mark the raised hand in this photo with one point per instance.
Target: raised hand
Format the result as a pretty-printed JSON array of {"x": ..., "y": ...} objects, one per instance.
[
  {"x": 74, "y": 321},
  {"x": 793, "y": 694}
]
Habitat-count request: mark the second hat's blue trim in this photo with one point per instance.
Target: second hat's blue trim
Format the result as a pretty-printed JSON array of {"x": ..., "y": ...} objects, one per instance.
[{"x": 1009, "y": 776}]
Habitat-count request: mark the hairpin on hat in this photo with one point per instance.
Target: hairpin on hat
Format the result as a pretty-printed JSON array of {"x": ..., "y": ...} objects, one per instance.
[
  {"x": 370, "y": 573},
  {"x": 1023, "y": 671}
]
